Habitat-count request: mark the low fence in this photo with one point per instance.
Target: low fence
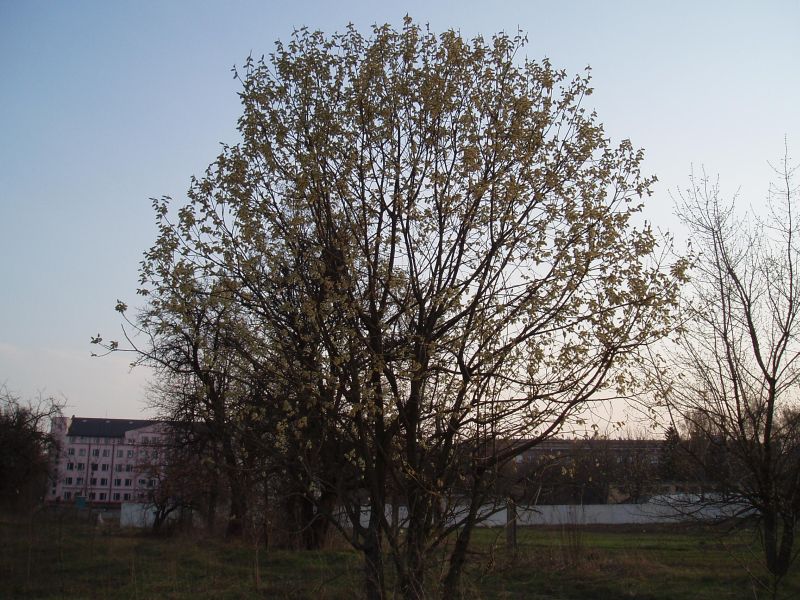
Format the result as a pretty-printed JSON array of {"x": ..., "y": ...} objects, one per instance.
[
  {"x": 612, "y": 514},
  {"x": 142, "y": 515},
  {"x": 588, "y": 514},
  {"x": 134, "y": 514}
]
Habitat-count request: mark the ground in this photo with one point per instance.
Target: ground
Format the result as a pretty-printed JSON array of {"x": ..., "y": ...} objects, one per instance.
[{"x": 50, "y": 555}]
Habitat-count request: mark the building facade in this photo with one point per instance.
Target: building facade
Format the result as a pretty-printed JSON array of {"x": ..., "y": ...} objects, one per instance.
[{"x": 106, "y": 461}]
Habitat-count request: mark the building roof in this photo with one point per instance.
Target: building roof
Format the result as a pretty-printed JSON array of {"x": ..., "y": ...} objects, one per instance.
[{"x": 105, "y": 427}]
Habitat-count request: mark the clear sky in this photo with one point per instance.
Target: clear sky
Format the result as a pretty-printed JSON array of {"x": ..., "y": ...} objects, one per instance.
[{"x": 104, "y": 105}]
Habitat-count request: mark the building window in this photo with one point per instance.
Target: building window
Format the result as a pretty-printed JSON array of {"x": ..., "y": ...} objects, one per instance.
[
  {"x": 119, "y": 453},
  {"x": 155, "y": 453},
  {"x": 102, "y": 495},
  {"x": 68, "y": 480},
  {"x": 128, "y": 468},
  {"x": 118, "y": 482},
  {"x": 94, "y": 466},
  {"x": 93, "y": 481},
  {"x": 81, "y": 451},
  {"x": 79, "y": 481},
  {"x": 91, "y": 495},
  {"x": 71, "y": 451},
  {"x": 70, "y": 466},
  {"x": 118, "y": 468},
  {"x": 126, "y": 497},
  {"x": 116, "y": 497},
  {"x": 67, "y": 495},
  {"x": 104, "y": 467},
  {"x": 96, "y": 452},
  {"x": 104, "y": 481},
  {"x": 106, "y": 452},
  {"x": 80, "y": 466},
  {"x": 128, "y": 482},
  {"x": 130, "y": 453},
  {"x": 142, "y": 482}
]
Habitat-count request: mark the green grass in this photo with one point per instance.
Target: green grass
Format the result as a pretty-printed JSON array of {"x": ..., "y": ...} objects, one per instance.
[
  {"x": 56, "y": 557},
  {"x": 654, "y": 563}
]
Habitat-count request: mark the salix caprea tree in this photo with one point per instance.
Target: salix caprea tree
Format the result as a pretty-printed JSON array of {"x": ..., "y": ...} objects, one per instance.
[
  {"x": 433, "y": 245},
  {"x": 733, "y": 380}
]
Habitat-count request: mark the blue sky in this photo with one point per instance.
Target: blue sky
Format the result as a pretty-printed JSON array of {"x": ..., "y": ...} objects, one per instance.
[{"x": 104, "y": 105}]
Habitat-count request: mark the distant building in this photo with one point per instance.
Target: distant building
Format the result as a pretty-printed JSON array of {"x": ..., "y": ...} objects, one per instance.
[
  {"x": 622, "y": 451},
  {"x": 111, "y": 461},
  {"x": 106, "y": 461},
  {"x": 587, "y": 471}
]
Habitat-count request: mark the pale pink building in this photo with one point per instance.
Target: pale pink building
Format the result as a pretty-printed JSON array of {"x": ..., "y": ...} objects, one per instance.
[{"x": 106, "y": 461}]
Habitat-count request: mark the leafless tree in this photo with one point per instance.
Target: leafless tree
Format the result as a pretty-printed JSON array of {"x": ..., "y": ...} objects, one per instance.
[{"x": 734, "y": 376}]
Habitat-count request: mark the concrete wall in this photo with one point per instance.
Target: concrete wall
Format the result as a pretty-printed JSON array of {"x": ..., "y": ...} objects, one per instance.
[
  {"x": 606, "y": 514},
  {"x": 589, "y": 514},
  {"x": 134, "y": 514}
]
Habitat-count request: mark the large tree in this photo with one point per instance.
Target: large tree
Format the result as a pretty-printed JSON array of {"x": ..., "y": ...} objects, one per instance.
[
  {"x": 435, "y": 248},
  {"x": 733, "y": 380}
]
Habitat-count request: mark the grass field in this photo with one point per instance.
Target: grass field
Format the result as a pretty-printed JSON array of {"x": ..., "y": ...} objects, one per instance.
[{"x": 58, "y": 557}]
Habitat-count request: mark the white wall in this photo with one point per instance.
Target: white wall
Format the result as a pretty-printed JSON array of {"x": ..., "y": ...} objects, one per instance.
[
  {"x": 134, "y": 514},
  {"x": 590, "y": 514}
]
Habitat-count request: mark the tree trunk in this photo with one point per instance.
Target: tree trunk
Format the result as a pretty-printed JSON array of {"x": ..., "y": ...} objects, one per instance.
[
  {"x": 511, "y": 525},
  {"x": 395, "y": 515},
  {"x": 158, "y": 519},
  {"x": 778, "y": 543},
  {"x": 211, "y": 510},
  {"x": 412, "y": 585},
  {"x": 238, "y": 509},
  {"x": 770, "y": 540},
  {"x": 452, "y": 582},
  {"x": 787, "y": 544},
  {"x": 313, "y": 522},
  {"x": 322, "y": 520},
  {"x": 375, "y": 585}
]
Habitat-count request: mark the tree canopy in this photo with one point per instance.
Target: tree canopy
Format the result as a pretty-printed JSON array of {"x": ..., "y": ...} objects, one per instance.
[{"x": 425, "y": 248}]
